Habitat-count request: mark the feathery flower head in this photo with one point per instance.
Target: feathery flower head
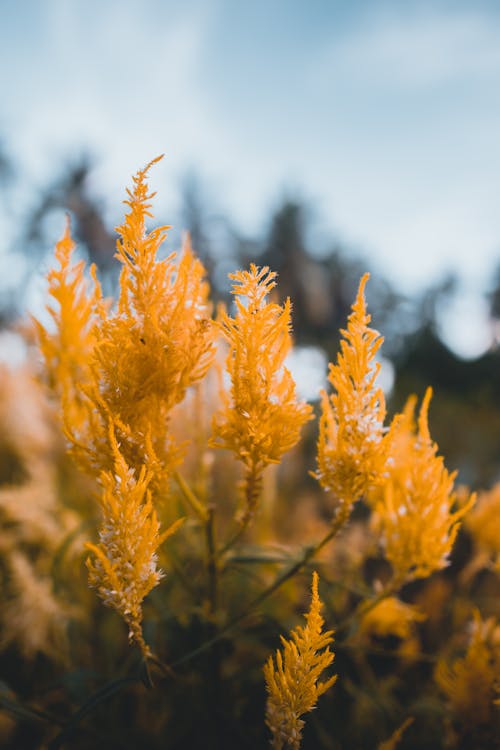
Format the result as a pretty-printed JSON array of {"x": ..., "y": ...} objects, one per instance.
[
  {"x": 124, "y": 568},
  {"x": 350, "y": 448},
  {"x": 146, "y": 352},
  {"x": 74, "y": 310},
  {"x": 413, "y": 512},
  {"x": 160, "y": 341},
  {"x": 34, "y": 618},
  {"x": 292, "y": 683},
  {"x": 471, "y": 682},
  {"x": 484, "y": 523},
  {"x": 262, "y": 418},
  {"x": 389, "y": 617},
  {"x": 120, "y": 372}
]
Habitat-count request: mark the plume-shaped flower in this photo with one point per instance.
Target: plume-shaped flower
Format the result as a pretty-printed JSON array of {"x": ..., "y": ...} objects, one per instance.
[
  {"x": 390, "y": 617},
  {"x": 471, "y": 683},
  {"x": 148, "y": 351},
  {"x": 292, "y": 683},
  {"x": 124, "y": 567},
  {"x": 262, "y": 418},
  {"x": 33, "y": 617},
  {"x": 121, "y": 372},
  {"x": 74, "y": 310},
  {"x": 350, "y": 448},
  {"x": 414, "y": 512},
  {"x": 484, "y": 524},
  {"x": 171, "y": 346}
]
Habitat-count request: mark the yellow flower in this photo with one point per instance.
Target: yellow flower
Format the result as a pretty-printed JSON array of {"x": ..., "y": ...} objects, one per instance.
[
  {"x": 119, "y": 372},
  {"x": 484, "y": 523},
  {"x": 124, "y": 568},
  {"x": 157, "y": 343},
  {"x": 389, "y": 617},
  {"x": 292, "y": 684},
  {"x": 262, "y": 418},
  {"x": 131, "y": 365},
  {"x": 33, "y": 617},
  {"x": 350, "y": 448},
  {"x": 471, "y": 682},
  {"x": 68, "y": 349},
  {"x": 413, "y": 512}
]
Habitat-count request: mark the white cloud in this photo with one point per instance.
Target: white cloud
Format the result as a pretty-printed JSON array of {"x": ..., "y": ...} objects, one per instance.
[{"x": 417, "y": 49}]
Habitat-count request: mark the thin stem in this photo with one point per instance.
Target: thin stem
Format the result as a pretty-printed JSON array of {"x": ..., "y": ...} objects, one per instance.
[
  {"x": 252, "y": 485},
  {"x": 136, "y": 636},
  {"x": 183, "y": 578},
  {"x": 211, "y": 559},
  {"x": 366, "y": 606},
  {"x": 255, "y": 559},
  {"x": 310, "y": 552},
  {"x": 378, "y": 651},
  {"x": 166, "y": 670},
  {"x": 212, "y": 678},
  {"x": 191, "y": 498},
  {"x": 235, "y": 538}
]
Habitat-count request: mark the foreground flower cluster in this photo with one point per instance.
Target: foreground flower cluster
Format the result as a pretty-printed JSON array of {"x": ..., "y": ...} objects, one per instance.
[{"x": 182, "y": 499}]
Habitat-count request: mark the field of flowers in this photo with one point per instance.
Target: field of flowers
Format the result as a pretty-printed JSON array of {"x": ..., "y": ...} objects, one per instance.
[{"x": 192, "y": 557}]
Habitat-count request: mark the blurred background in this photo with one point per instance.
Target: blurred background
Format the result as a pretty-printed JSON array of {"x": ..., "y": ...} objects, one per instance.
[{"x": 322, "y": 138}]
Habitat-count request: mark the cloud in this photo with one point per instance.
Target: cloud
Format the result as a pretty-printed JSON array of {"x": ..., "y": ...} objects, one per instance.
[
  {"x": 113, "y": 78},
  {"x": 417, "y": 49},
  {"x": 389, "y": 118}
]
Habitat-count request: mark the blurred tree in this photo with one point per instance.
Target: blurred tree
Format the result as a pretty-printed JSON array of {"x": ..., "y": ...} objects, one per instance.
[
  {"x": 8, "y": 175},
  {"x": 70, "y": 192},
  {"x": 322, "y": 289},
  {"x": 215, "y": 240},
  {"x": 465, "y": 414},
  {"x": 7, "y": 170},
  {"x": 195, "y": 216},
  {"x": 494, "y": 305}
]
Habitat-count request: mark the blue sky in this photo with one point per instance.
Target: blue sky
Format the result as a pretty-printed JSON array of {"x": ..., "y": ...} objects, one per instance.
[{"x": 384, "y": 114}]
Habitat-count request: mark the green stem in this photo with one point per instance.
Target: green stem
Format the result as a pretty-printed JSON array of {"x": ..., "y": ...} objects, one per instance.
[
  {"x": 212, "y": 677},
  {"x": 176, "y": 567},
  {"x": 374, "y": 651},
  {"x": 366, "y": 606},
  {"x": 310, "y": 552},
  {"x": 191, "y": 498},
  {"x": 252, "y": 490},
  {"x": 211, "y": 560},
  {"x": 235, "y": 538}
]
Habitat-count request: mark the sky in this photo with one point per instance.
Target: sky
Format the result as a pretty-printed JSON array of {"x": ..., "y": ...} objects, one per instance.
[{"x": 383, "y": 114}]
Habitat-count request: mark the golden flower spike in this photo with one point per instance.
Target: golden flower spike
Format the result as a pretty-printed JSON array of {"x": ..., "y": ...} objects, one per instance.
[
  {"x": 414, "y": 514},
  {"x": 119, "y": 372},
  {"x": 156, "y": 344},
  {"x": 470, "y": 683},
  {"x": 124, "y": 564},
  {"x": 262, "y": 418},
  {"x": 67, "y": 350},
  {"x": 292, "y": 683},
  {"x": 351, "y": 455}
]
